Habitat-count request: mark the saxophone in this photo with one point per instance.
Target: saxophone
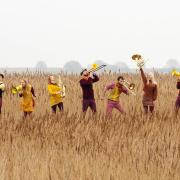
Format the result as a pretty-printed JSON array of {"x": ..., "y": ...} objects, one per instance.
[{"x": 61, "y": 85}]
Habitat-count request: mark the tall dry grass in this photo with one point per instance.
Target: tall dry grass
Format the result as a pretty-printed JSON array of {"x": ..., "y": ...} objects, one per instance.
[{"x": 69, "y": 147}]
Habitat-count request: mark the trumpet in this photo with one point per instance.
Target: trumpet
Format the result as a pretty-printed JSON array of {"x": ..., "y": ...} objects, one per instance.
[
  {"x": 175, "y": 73},
  {"x": 129, "y": 86},
  {"x": 16, "y": 89},
  {"x": 139, "y": 60},
  {"x": 95, "y": 68}
]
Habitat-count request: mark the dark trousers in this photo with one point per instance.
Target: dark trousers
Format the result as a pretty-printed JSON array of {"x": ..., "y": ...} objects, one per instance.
[
  {"x": 60, "y": 106},
  {"x": 89, "y": 103},
  {"x": 27, "y": 114},
  {"x": 0, "y": 104}
]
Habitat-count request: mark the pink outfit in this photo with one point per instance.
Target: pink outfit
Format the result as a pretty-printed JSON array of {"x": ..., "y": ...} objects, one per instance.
[{"x": 114, "y": 104}]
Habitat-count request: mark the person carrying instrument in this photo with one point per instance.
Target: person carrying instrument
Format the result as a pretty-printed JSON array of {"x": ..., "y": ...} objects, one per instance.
[
  {"x": 2, "y": 89},
  {"x": 86, "y": 84},
  {"x": 177, "y": 103},
  {"x": 116, "y": 89},
  {"x": 56, "y": 93},
  {"x": 26, "y": 93},
  {"x": 150, "y": 91}
]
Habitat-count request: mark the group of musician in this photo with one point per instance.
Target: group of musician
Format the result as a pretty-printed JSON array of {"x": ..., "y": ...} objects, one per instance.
[
  {"x": 56, "y": 92},
  {"x": 116, "y": 89}
]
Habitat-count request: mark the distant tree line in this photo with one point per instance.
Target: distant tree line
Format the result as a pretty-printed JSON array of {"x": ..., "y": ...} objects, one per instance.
[{"x": 76, "y": 67}]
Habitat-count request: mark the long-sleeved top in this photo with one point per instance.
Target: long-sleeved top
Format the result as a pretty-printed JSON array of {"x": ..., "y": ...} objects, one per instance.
[
  {"x": 27, "y": 101},
  {"x": 115, "y": 91},
  {"x": 150, "y": 89},
  {"x": 32, "y": 91},
  {"x": 54, "y": 94},
  {"x": 87, "y": 86}
]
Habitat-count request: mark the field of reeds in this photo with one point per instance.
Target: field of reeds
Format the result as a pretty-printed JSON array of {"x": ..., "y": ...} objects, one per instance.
[{"x": 69, "y": 146}]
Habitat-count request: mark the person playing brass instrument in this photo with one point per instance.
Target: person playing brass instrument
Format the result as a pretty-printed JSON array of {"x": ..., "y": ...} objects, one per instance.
[
  {"x": 116, "y": 89},
  {"x": 2, "y": 89},
  {"x": 56, "y": 94},
  {"x": 177, "y": 104},
  {"x": 150, "y": 91},
  {"x": 27, "y": 94},
  {"x": 86, "y": 84}
]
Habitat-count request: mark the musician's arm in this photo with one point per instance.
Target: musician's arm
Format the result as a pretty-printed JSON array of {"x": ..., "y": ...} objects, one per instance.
[
  {"x": 125, "y": 90},
  {"x": 108, "y": 87},
  {"x": 155, "y": 93},
  {"x": 95, "y": 78},
  {"x": 33, "y": 92},
  {"x": 143, "y": 76}
]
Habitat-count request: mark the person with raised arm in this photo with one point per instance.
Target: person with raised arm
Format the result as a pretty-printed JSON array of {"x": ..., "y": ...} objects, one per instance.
[{"x": 150, "y": 91}]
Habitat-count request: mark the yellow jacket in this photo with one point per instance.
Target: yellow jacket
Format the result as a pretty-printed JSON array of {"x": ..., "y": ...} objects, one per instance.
[{"x": 55, "y": 98}]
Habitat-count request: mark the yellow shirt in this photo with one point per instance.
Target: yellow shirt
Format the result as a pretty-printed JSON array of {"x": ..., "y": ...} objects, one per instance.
[
  {"x": 115, "y": 91},
  {"x": 114, "y": 94},
  {"x": 55, "y": 98}
]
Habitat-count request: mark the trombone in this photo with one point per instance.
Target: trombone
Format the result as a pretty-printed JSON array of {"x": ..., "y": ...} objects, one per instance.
[{"x": 95, "y": 68}]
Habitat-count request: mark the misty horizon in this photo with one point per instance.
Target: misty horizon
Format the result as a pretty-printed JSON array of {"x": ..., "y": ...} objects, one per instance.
[{"x": 59, "y": 31}]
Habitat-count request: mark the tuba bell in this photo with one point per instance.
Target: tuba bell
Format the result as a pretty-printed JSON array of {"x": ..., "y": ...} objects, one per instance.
[{"x": 139, "y": 60}]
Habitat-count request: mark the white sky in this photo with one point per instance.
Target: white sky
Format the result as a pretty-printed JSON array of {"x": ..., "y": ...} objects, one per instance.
[{"x": 57, "y": 31}]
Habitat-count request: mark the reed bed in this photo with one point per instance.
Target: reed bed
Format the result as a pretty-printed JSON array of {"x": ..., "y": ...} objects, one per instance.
[{"x": 71, "y": 146}]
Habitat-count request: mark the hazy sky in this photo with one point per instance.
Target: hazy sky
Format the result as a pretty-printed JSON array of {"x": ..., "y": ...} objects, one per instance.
[{"x": 57, "y": 31}]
